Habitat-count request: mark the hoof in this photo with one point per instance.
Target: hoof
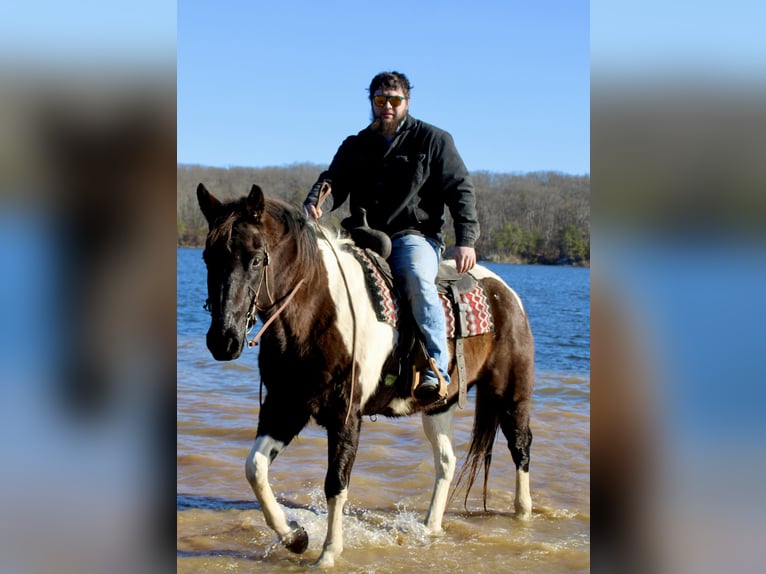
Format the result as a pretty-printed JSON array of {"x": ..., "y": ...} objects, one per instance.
[
  {"x": 326, "y": 560},
  {"x": 435, "y": 532},
  {"x": 523, "y": 512},
  {"x": 297, "y": 541}
]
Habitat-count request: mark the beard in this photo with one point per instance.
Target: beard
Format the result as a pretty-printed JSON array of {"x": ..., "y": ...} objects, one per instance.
[{"x": 385, "y": 127}]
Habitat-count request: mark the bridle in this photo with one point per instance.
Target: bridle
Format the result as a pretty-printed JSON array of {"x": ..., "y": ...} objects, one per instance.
[
  {"x": 263, "y": 280},
  {"x": 254, "y": 308}
]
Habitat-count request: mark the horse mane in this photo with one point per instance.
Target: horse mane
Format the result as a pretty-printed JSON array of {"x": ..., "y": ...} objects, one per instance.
[
  {"x": 295, "y": 224},
  {"x": 289, "y": 220}
]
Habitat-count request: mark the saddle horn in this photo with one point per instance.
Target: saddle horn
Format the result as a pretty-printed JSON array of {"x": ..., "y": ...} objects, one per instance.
[{"x": 364, "y": 236}]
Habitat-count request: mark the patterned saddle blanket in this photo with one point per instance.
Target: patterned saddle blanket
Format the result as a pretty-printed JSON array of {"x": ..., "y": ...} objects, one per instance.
[{"x": 469, "y": 316}]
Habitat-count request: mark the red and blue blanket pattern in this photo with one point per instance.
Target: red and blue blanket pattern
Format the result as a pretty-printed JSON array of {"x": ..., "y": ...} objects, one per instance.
[{"x": 475, "y": 311}]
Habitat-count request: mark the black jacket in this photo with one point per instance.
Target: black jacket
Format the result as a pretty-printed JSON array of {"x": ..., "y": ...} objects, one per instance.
[{"x": 405, "y": 187}]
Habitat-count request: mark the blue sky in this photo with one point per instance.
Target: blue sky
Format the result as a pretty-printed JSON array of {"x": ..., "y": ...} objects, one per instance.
[
  {"x": 270, "y": 83},
  {"x": 274, "y": 83}
]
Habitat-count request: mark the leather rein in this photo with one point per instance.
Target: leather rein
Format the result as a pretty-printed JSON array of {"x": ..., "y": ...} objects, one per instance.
[
  {"x": 264, "y": 279},
  {"x": 251, "y": 314},
  {"x": 254, "y": 308}
]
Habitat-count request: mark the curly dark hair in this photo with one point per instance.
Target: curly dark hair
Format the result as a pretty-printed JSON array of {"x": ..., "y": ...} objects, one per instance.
[{"x": 392, "y": 80}]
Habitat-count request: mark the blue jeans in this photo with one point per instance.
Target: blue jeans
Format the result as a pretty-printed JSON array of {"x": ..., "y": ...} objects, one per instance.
[{"x": 414, "y": 262}]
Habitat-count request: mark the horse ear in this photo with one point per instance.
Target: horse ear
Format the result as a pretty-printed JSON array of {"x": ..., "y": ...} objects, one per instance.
[
  {"x": 207, "y": 203},
  {"x": 255, "y": 202}
]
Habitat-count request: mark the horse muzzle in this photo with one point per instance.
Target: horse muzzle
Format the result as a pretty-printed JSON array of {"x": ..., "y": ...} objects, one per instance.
[{"x": 225, "y": 344}]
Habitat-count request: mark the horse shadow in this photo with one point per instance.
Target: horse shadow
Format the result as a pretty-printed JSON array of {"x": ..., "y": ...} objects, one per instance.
[{"x": 199, "y": 502}]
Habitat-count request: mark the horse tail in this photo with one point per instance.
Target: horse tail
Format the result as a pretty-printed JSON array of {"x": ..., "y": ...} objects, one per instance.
[{"x": 485, "y": 426}]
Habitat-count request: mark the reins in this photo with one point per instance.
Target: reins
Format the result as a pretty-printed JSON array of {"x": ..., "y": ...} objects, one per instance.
[
  {"x": 254, "y": 308},
  {"x": 254, "y": 341},
  {"x": 324, "y": 191}
]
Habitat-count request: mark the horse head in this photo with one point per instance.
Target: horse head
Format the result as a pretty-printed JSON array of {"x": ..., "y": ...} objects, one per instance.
[{"x": 236, "y": 256}]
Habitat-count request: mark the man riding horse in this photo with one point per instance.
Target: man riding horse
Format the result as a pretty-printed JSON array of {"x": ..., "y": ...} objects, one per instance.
[{"x": 402, "y": 172}]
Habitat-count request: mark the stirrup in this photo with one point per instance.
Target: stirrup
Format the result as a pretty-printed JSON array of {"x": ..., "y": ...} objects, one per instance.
[{"x": 441, "y": 390}]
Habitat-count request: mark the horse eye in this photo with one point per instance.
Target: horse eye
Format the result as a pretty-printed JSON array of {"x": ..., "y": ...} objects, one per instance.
[{"x": 255, "y": 262}]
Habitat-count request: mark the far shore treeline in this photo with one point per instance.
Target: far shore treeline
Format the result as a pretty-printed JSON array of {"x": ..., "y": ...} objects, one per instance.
[{"x": 540, "y": 217}]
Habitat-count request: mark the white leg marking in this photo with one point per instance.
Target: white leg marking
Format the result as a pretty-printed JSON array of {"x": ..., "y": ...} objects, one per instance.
[
  {"x": 257, "y": 472},
  {"x": 333, "y": 544},
  {"x": 523, "y": 502},
  {"x": 438, "y": 429}
]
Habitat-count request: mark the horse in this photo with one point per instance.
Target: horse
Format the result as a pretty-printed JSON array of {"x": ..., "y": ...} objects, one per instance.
[{"x": 323, "y": 351}]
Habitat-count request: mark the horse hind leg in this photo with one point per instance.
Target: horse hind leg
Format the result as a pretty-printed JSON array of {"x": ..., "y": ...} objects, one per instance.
[
  {"x": 514, "y": 422},
  {"x": 438, "y": 429}
]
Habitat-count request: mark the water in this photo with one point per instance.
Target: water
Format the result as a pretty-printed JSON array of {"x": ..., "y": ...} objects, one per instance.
[{"x": 221, "y": 529}]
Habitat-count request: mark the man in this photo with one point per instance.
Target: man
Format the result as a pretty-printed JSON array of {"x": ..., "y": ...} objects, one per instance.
[{"x": 403, "y": 172}]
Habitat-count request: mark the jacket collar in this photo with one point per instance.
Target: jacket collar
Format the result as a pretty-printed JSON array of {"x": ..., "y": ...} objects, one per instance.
[{"x": 407, "y": 124}]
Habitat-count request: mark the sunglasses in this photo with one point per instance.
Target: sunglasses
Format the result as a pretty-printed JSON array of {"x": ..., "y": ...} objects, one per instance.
[{"x": 380, "y": 101}]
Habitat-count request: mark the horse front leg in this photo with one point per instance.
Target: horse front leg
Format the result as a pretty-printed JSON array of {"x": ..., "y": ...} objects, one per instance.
[
  {"x": 278, "y": 423},
  {"x": 264, "y": 450},
  {"x": 438, "y": 429},
  {"x": 342, "y": 445}
]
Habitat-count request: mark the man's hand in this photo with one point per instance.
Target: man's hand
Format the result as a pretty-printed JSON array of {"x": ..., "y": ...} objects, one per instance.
[
  {"x": 465, "y": 258},
  {"x": 319, "y": 192},
  {"x": 313, "y": 210}
]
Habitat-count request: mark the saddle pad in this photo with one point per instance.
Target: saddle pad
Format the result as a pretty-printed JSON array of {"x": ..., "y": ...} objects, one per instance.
[
  {"x": 381, "y": 295},
  {"x": 475, "y": 312}
]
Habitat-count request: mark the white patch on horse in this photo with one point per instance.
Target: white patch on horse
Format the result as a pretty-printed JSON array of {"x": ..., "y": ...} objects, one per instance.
[
  {"x": 438, "y": 429},
  {"x": 333, "y": 544},
  {"x": 523, "y": 501},
  {"x": 374, "y": 339},
  {"x": 257, "y": 471},
  {"x": 402, "y": 407}
]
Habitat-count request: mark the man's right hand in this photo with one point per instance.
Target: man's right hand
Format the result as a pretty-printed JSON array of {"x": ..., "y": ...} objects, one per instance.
[
  {"x": 313, "y": 210},
  {"x": 319, "y": 192}
]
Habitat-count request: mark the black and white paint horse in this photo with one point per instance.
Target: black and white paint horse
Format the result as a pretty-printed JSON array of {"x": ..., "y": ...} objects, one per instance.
[{"x": 324, "y": 350}]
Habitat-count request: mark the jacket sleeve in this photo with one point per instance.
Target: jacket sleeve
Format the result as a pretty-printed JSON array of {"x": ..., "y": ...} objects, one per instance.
[
  {"x": 460, "y": 196},
  {"x": 336, "y": 175},
  {"x": 313, "y": 196}
]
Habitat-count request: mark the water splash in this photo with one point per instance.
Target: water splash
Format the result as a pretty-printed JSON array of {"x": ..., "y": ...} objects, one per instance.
[{"x": 362, "y": 527}]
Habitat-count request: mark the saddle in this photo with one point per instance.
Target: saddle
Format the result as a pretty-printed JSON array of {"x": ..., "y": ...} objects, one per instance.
[{"x": 467, "y": 313}]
